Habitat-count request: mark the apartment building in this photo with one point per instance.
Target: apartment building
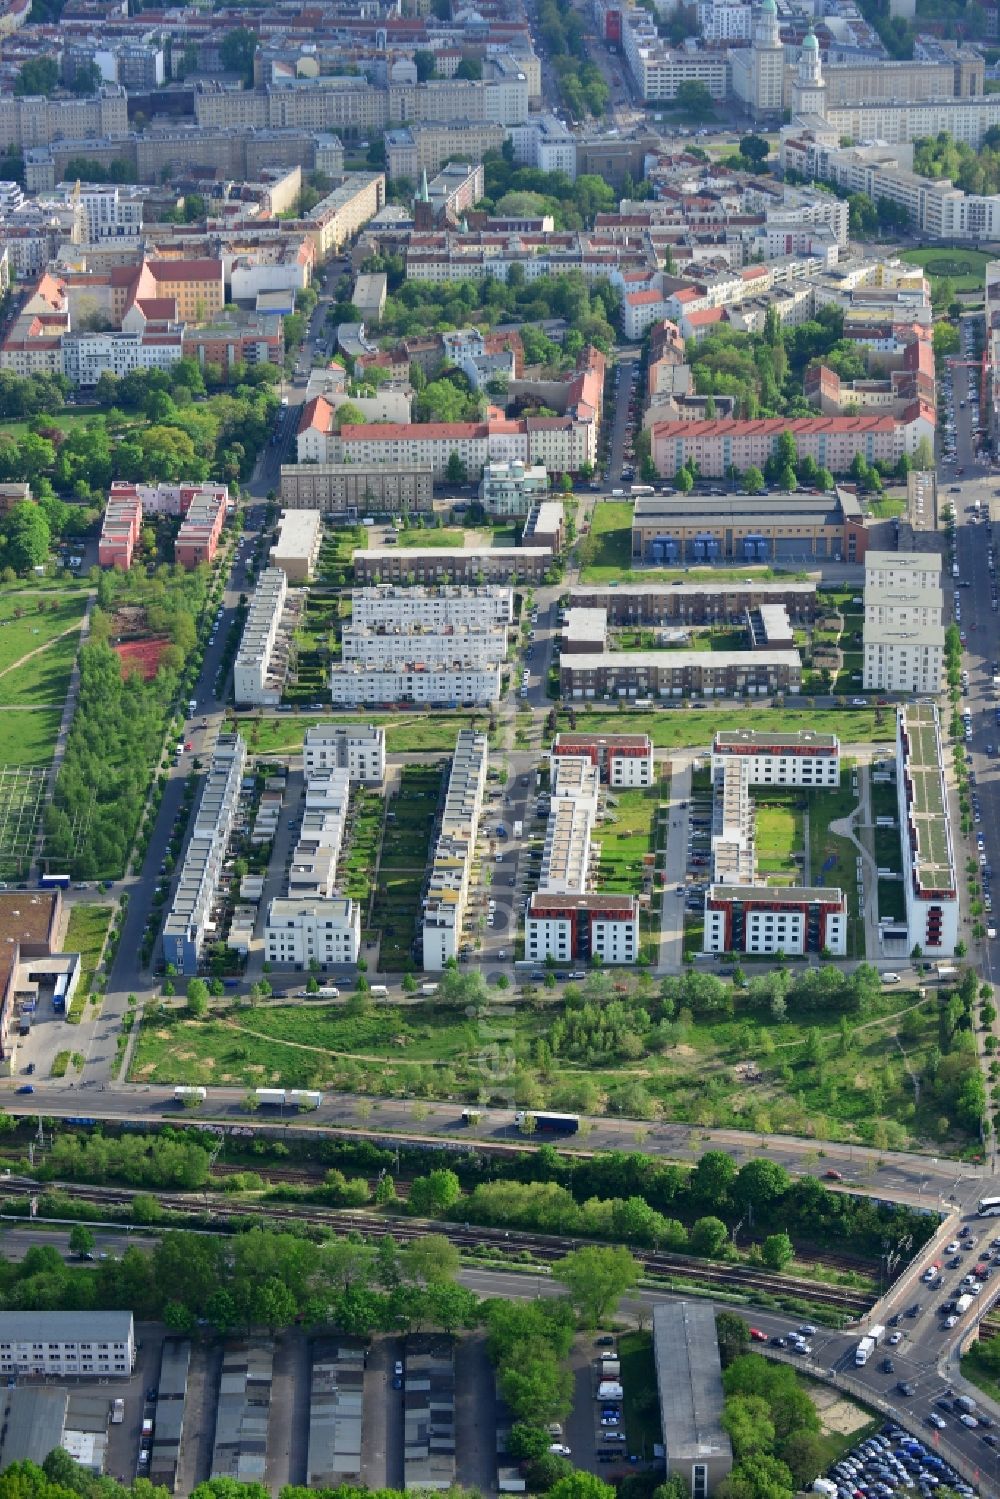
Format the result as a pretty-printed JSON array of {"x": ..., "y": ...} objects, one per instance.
[
  {"x": 198, "y": 538},
  {"x": 312, "y": 873},
  {"x": 190, "y": 913},
  {"x": 258, "y": 678},
  {"x": 336, "y": 219},
  {"x": 300, "y": 536},
  {"x": 623, "y": 760},
  {"x": 653, "y": 674},
  {"x": 87, "y": 356},
  {"x": 584, "y": 632},
  {"x": 357, "y": 748},
  {"x": 454, "y": 852},
  {"x": 391, "y": 647},
  {"x": 299, "y": 933},
  {"x": 903, "y": 633},
  {"x": 354, "y": 685},
  {"x": 61, "y": 1345},
  {"x": 764, "y": 920},
  {"x": 37, "y": 120},
  {"x": 674, "y": 530},
  {"x": 833, "y": 441},
  {"x": 545, "y": 525},
  {"x": 693, "y": 603},
  {"x": 434, "y": 609},
  {"x": 412, "y": 150},
  {"x": 930, "y": 880},
  {"x": 802, "y": 758},
  {"x": 444, "y": 565},
  {"x": 351, "y": 489},
  {"x": 120, "y": 532}
]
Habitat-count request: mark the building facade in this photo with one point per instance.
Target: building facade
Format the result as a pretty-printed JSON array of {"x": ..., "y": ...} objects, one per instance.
[
  {"x": 903, "y": 633},
  {"x": 60, "y": 1345},
  {"x": 448, "y": 883},
  {"x": 357, "y": 748},
  {"x": 794, "y": 759}
]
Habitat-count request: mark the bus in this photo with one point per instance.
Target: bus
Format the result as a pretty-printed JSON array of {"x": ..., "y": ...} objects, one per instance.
[
  {"x": 641, "y": 489},
  {"x": 53, "y": 882},
  {"x": 989, "y": 1207}
]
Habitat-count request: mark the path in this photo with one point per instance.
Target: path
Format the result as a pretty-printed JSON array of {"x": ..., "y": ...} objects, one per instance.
[
  {"x": 843, "y": 827},
  {"x": 41, "y": 649},
  {"x": 59, "y": 752},
  {"x": 671, "y": 953}
]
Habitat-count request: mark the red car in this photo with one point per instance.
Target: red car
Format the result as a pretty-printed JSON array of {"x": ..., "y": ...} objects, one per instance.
[
  {"x": 833, "y": 1176},
  {"x": 757, "y": 1336}
]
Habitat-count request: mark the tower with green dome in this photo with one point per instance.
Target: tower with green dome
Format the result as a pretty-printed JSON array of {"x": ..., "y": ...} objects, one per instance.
[{"x": 809, "y": 88}]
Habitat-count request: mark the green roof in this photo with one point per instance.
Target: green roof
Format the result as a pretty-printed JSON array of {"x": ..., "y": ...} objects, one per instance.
[{"x": 927, "y": 798}]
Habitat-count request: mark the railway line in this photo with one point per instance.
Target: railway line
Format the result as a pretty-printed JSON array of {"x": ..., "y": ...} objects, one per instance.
[{"x": 508, "y": 1244}]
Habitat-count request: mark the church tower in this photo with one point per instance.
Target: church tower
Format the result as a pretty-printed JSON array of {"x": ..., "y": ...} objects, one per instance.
[
  {"x": 809, "y": 88},
  {"x": 768, "y": 63}
]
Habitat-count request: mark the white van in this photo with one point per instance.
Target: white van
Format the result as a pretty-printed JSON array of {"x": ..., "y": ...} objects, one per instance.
[{"x": 378, "y": 991}]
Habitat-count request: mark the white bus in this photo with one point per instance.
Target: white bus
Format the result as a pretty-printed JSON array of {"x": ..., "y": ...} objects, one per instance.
[{"x": 989, "y": 1207}]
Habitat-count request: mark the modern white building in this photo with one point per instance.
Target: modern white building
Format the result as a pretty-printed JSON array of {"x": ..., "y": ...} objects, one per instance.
[
  {"x": 357, "y": 748},
  {"x": 512, "y": 488},
  {"x": 433, "y": 608},
  {"x": 313, "y": 870},
  {"x": 300, "y": 932},
  {"x": 190, "y": 914},
  {"x": 624, "y": 760},
  {"x": 451, "y": 869},
  {"x": 454, "y": 647},
  {"x": 255, "y": 684},
  {"x": 56, "y": 1345},
  {"x": 930, "y": 880},
  {"x": 802, "y": 758},
  {"x": 300, "y": 535},
  {"x": 353, "y": 685},
  {"x": 765, "y": 920},
  {"x": 904, "y": 623}
]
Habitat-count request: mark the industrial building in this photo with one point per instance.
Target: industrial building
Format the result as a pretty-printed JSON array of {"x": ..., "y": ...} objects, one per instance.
[
  {"x": 300, "y": 535},
  {"x": 243, "y": 1411},
  {"x": 802, "y": 758},
  {"x": 299, "y": 932},
  {"x": 357, "y": 748},
  {"x": 168, "y": 1423},
  {"x": 930, "y": 881},
  {"x": 903, "y": 632},
  {"x": 623, "y": 760},
  {"x": 30, "y": 936},
  {"x": 689, "y": 1384},
  {"x": 434, "y": 609},
  {"x": 651, "y": 674},
  {"x": 259, "y": 669},
  {"x": 451, "y": 868},
  {"x": 672, "y": 530},
  {"x": 336, "y": 1404},
  {"x": 725, "y": 602},
  {"x": 429, "y": 1413},
  {"x": 93, "y": 1345},
  {"x": 446, "y": 565},
  {"x": 190, "y": 913}
]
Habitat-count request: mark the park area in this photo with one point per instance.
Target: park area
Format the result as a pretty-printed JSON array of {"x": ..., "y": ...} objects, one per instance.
[
  {"x": 85, "y": 934},
  {"x": 965, "y": 269},
  {"x": 404, "y": 732},
  {"x": 628, "y": 836},
  {"x": 690, "y": 728}
]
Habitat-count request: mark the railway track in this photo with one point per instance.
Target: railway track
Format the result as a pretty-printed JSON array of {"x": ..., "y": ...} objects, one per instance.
[{"x": 507, "y": 1243}]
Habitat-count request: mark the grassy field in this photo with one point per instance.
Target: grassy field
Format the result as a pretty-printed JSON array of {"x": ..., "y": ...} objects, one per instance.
[
  {"x": 608, "y": 549},
  {"x": 629, "y": 838},
  {"x": 779, "y": 834},
  {"x": 832, "y": 858},
  {"x": 24, "y": 627},
  {"x": 29, "y": 738},
  {"x": 405, "y": 732},
  {"x": 886, "y": 507},
  {"x": 428, "y": 536},
  {"x": 403, "y": 863},
  {"x": 85, "y": 934},
  {"x": 690, "y": 727},
  {"x": 44, "y": 680},
  {"x": 64, "y": 420},
  {"x": 965, "y": 269},
  {"x": 642, "y": 1415}
]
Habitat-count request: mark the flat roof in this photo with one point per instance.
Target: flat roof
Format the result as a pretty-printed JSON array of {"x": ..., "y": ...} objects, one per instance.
[
  {"x": 585, "y": 624},
  {"x": 689, "y": 1378},
  {"x": 778, "y": 509},
  {"x": 760, "y": 739},
  {"x": 65, "y": 1327},
  {"x": 682, "y": 660},
  {"x": 767, "y": 895},
  {"x": 933, "y": 859},
  {"x": 690, "y": 590}
]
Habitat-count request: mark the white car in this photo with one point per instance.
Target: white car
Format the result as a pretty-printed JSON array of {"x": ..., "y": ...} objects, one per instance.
[
  {"x": 895, "y": 1337},
  {"x": 560, "y": 1449},
  {"x": 952, "y": 1248}
]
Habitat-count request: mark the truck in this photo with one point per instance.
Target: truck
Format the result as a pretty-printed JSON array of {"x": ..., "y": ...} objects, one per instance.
[
  {"x": 876, "y": 1333},
  {"x": 945, "y": 972},
  {"x": 378, "y": 991},
  {"x": 305, "y": 1098},
  {"x": 117, "y": 1412},
  {"x": 189, "y": 1096},
  {"x": 518, "y": 829},
  {"x": 528, "y": 1120},
  {"x": 863, "y": 1352},
  {"x": 617, "y": 494},
  {"x": 269, "y": 1097},
  {"x": 963, "y": 1303},
  {"x": 428, "y": 989}
]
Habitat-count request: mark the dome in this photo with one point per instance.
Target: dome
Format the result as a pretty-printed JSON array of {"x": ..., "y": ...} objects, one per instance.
[
  {"x": 809, "y": 43},
  {"x": 768, "y": 8}
]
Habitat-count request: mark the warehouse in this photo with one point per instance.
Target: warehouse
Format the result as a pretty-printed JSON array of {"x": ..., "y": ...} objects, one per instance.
[
  {"x": 336, "y": 1399},
  {"x": 243, "y": 1411},
  {"x": 689, "y": 1382},
  {"x": 168, "y": 1426},
  {"x": 736, "y": 529},
  {"x": 648, "y": 674},
  {"x": 429, "y": 1413}
]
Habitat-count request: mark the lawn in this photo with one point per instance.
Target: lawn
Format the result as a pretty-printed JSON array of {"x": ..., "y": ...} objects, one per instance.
[
  {"x": 832, "y": 858},
  {"x": 688, "y": 728},
  {"x": 607, "y": 552},
  {"x": 406, "y": 848},
  {"x": 981, "y": 1371},
  {"x": 966, "y": 269},
  {"x": 85, "y": 934},
  {"x": 357, "y": 861},
  {"x": 44, "y": 680},
  {"x": 886, "y": 507},
  {"x": 24, "y": 627},
  {"x": 642, "y": 1414},
  {"x": 627, "y": 836},
  {"x": 779, "y": 834},
  {"x": 64, "y": 420},
  {"x": 422, "y": 536},
  {"x": 29, "y": 738},
  {"x": 405, "y": 732}
]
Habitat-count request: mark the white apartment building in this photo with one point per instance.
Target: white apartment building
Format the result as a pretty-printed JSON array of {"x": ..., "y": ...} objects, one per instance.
[
  {"x": 930, "y": 881},
  {"x": 725, "y": 20},
  {"x": 454, "y": 647},
  {"x": 451, "y": 869},
  {"x": 659, "y": 70},
  {"x": 353, "y": 685},
  {"x": 87, "y": 356},
  {"x": 624, "y": 760},
  {"x": 190, "y": 913},
  {"x": 254, "y": 682},
  {"x": 903, "y": 632},
  {"x": 546, "y": 143},
  {"x": 357, "y": 748},
  {"x": 59, "y": 1345},
  {"x": 313, "y": 870},
  {"x": 512, "y": 488},
  {"x": 300, "y": 536},
  {"x": 299, "y": 932},
  {"x": 469, "y": 607},
  {"x": 804, "y": 758},
  {"x": 766, "y": 920}
]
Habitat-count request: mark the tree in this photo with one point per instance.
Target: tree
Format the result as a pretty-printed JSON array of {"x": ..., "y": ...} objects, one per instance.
[
  {"x": 526, "y": 1441},
  {"x": 596, "y": 1278},
  {"x": 581, "y": 1485},
  {"x": 695, "y": 99},
  {"x": 456, "y": 472},
  {"x": 683, "y": 481},
  {"x": 777, "y": 1251},
  {"x": 753, "y": 480},
  {"x": 197, "y": 998},
  {"x": 87, "y": 78},
  {"x": 39, "y": 75},
  {"x": 349, "y": 415},
  {"x": 709, "y": 1236},
  {"x": 471, "y": 68},
  {"x": 755, "y": 149},
  {"x": 26, "y": 537},
  {"x": 81, "y": 1240},
  {"x": 432, "y": 1195},
  {"x": 430, "y": 1260},
  {"x": 237, "y": 51},
  {"x": 713, "y": 1177},
  {"x": 733, "y": 1336},
  {"x": 426, "y": 65}
]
